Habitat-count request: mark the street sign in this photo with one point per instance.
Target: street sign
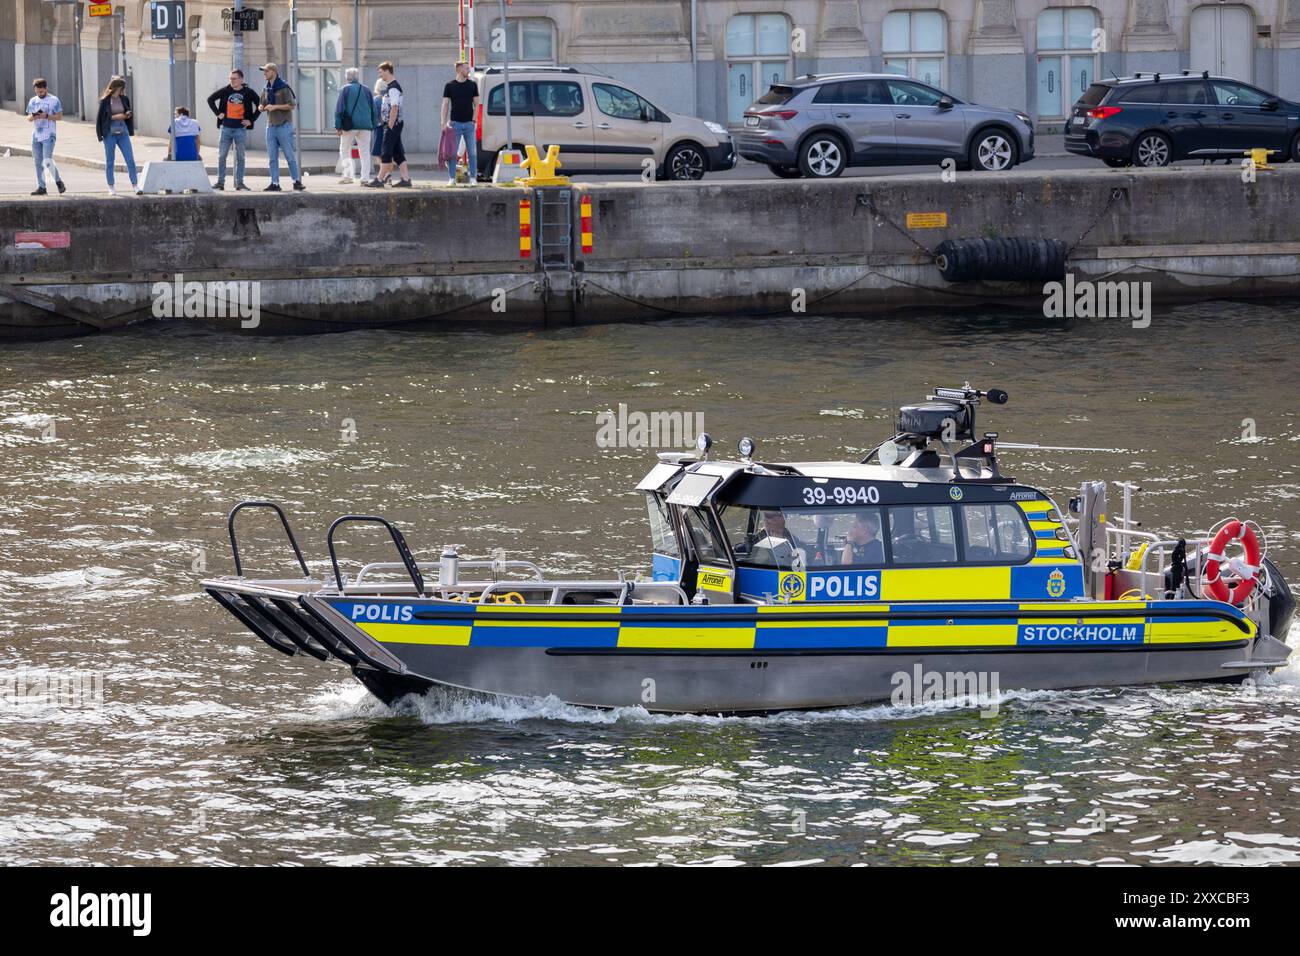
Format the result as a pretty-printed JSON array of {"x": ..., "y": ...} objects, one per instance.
[
  {"x": 241, "y": 21},
  {"x": 167, "y": 18},
  {"x": 101, "y": 9}
]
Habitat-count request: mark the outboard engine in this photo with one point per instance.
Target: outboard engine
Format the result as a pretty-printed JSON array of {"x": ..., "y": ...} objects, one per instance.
[{"x": 1281, "y": 602}]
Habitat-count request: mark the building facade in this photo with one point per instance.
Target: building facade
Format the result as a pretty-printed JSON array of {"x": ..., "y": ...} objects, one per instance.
[{"x": 705, "y": 57}]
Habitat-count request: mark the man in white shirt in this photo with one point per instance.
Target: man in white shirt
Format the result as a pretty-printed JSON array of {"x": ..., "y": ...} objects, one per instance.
[{"x": 44, "y": 111}]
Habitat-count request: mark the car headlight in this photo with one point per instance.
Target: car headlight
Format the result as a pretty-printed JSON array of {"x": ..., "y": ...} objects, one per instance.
[
  {"x": 715, "y": 128},
  {"x": 1024, "y": 119}
]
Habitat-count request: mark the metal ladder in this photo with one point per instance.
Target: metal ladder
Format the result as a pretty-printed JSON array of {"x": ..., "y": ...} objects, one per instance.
[{"x": 554, "y": 238}]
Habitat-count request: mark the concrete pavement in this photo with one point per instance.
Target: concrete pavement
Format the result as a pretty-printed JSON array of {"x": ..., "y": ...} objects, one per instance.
[{"x": 78, "y": 152}]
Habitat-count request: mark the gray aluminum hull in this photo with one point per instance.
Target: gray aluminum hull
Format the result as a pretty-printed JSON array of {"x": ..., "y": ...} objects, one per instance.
[{"x": 748, "y": 682}]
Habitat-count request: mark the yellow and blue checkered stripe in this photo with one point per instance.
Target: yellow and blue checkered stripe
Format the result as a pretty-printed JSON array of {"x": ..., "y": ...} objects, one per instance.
[{"x": 930, "y": 625}]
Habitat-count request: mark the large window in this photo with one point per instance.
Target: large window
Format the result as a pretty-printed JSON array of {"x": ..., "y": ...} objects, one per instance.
[
  {"x": 1066, "y": 61},
  {"x": 528, "y": 40},
  {"x": 319, "y": 61},
  {"x": 758, "y": 55},
  {"x": 875, "y": 536},
  {"x": 915, "y": 43}
]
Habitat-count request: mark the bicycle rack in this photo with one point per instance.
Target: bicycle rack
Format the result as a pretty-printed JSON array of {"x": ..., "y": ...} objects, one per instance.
[
  {"x": 398, "y": 541},
  {"x": 284, "y": 520}
]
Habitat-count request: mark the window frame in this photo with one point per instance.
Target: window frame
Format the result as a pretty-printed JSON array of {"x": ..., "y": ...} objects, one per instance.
[
  {"x": 1067, "y": 55},
  {"x": 912, "y": 55},
  {"x": 955, "y": 509},
  {"x": 516, "y": 23},
  {"x": 323, "y": 121},
  {"x": 997, "y": 562}
]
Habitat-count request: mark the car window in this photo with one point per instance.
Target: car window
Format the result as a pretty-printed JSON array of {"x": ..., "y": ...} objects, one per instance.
[
  {"x": 557, "y": 98},
  {"x": 1236, "y": 94},
  {"x": 1176, "y": 94},
  {"x": 904, "y": 93},
  {"x": 776, "y": 96},
  {"x": 862, "y": 92},
  {"x": 830, "y": 93},
  {"x": 1093, "y": 94},
  {"x": 619, "y": 103},
  {"x": 1145, "y": 93},
  {"x": 521, "y": 102}
]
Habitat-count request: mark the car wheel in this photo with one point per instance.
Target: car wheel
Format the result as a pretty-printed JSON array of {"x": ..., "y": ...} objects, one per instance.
[
  {"x": 685, "y": 161},
  {"x": 1114, "y": 163},
  {"x": 1152, "y": 149},
  {"x": 1295, "y": 149},
  {"x": 785, "y": 172},
  {"x": 822, "y": 157},
  {"x": 993, "y": 151}
]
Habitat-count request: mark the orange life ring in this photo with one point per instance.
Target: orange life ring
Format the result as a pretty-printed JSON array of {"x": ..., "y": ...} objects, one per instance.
[{"x": 1217, "y": 588}]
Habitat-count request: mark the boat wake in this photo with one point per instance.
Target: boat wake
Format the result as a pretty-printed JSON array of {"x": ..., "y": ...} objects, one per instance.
[{"x": 440, "y": 706}]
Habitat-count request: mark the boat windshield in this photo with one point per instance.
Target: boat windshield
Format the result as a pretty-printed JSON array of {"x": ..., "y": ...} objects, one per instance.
[{"x": 878, "y": 536}]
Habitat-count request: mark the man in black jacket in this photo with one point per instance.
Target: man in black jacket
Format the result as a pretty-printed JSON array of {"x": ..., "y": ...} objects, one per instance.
[{"x": 235, "y": 107}]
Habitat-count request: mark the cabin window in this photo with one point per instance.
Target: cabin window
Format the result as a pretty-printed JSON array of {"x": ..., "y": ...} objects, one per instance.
[
  {"x": 662, "y": 539},
  {"x": 922, "y": 534},
  {"x": 771, "y": 537},
  {"x": 708, "y": 548},
  {"x": 996, "y": 533}
]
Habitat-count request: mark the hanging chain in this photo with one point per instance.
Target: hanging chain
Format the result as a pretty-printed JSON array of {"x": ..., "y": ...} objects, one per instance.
[
  {"x": 1115, "y": 195},
  {"x": 870, "y": 203}
]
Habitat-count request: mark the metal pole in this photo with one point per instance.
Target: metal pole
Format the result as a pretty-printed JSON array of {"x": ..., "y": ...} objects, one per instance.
[
  {"x": 237, "y": 47},
  {"x": 295, "y": 78},
  {"x": 76, "y": 63},
  {"x": 505, "y": 60},
  {"x": 356, "y": 34},
  {"x": 121, "y": 35},
  {"x": 171, "y": 86},
  {"x": 695, "y": 56}
]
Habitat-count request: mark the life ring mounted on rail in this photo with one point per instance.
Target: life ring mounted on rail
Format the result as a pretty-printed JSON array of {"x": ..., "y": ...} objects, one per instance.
[{"x": 1248, "y": 571}]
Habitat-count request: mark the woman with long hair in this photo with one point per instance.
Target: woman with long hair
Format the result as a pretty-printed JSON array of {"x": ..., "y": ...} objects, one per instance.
[{"x": 115, "y": 125}]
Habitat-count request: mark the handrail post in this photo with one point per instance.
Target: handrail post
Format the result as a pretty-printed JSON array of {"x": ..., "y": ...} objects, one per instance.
[
  {"x": 398, "y": 541},
  {"x": 284, "y": 520}
]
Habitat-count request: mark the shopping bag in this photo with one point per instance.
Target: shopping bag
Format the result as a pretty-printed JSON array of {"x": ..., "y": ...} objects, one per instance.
[{"x": 447, "y": 148}]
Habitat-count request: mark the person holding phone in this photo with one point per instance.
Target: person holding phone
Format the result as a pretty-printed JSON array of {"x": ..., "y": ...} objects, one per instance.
[
  {"x": 115, "y": 125},
  {"x": 44, "y": 111}
]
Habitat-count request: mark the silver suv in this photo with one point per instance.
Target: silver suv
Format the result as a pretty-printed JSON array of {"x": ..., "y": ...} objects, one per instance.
[{"x": 817, "y": 126}]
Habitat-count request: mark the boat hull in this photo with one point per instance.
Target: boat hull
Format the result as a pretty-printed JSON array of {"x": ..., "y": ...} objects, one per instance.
[
  {"x": 755, "y": 659},
  {"x": 730, "y": 682}
]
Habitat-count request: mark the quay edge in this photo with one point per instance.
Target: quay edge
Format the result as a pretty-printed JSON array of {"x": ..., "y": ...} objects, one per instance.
[{"x": 336, "y": 261}]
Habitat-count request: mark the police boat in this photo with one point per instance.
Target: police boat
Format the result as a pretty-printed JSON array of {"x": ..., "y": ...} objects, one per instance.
[{"x": 791, "y": 586}]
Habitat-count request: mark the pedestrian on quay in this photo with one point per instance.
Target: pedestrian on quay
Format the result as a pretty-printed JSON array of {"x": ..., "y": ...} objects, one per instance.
[
  {"x": 115, "y": 125},
  {"x": 44, "y": 110},
  {"x": 278, "y": 104},
  {"x": 235, "y": 106},
  {"x": 394, "y": 113},
  {"x": 459, "y": 106},
  {"x": 354, "y": 119},
  {"x": 377, "y": 137},
  {"x": 185, "y": 132}
]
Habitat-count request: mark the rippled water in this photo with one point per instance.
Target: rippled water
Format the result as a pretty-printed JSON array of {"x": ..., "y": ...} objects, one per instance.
[{"x": 201, "y": 745}]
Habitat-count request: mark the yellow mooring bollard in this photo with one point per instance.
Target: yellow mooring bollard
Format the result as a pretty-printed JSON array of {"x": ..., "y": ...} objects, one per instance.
[
  {"x": 1259, "y": 158},
  {"x": 541, "y": 171}
]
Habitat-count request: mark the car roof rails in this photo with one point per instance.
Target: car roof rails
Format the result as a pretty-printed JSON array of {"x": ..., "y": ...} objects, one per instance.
[{"x": 524, "y": 68}]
